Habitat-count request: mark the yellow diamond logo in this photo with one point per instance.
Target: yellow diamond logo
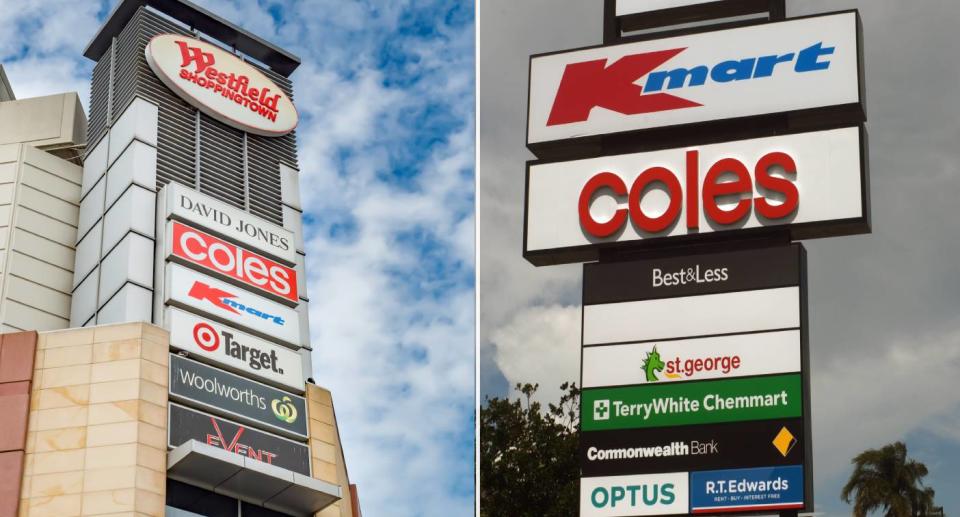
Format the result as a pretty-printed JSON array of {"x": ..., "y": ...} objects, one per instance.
[{"x": 784, "y": 441}]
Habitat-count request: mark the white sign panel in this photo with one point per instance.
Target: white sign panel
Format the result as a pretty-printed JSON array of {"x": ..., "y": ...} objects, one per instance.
[
  {"x": 692, "y": 316},
  {"x": 213, "y": 342},
  {"x": 625, "y": 7},
  {"x": 242, "y": 309},
  {"x": 799, "y": 64},
  {"x": 232, "y": 223},
  {"x": 811, "y": 182},
  {"x": 680, "y": 360},
  {"x": 221, "y": 85},
  {"x": 625, "y": 496}
]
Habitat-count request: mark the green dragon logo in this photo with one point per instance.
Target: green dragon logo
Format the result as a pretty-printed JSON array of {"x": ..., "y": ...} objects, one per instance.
[
  {"x": 284, "y": 410},
  {"x": 653, "y": 364}
]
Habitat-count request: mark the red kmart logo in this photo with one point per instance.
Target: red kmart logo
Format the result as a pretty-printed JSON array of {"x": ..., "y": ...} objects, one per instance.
[{"x": 224, "y": 300}]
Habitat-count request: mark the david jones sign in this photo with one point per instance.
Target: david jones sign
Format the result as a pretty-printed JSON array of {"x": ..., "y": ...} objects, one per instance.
[{"x": 221, "y": 85}]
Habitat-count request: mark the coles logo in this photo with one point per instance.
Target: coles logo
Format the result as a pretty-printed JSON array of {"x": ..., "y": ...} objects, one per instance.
[
  {"x": 221, "y": 85},
  {"x": 716, "y": 188},
  {"x": 685, "y": 368},
  {"x": 597, "y": 84},
  {"x": 235, "y": 262}
]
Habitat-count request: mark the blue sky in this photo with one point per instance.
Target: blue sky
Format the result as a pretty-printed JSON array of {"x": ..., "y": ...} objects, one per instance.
[{"x": 387, "y": 162}]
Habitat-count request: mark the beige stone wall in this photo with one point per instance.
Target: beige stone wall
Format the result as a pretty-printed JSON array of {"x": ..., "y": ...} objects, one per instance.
[
  {"x": 325, "y": 449},
  {"x": 96, "y": 439}
]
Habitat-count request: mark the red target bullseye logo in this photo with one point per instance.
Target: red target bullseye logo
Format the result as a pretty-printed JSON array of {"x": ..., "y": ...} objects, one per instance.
[{"x": 205, "y": 337}]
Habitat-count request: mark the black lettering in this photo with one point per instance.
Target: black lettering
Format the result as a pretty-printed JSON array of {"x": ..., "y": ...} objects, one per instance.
[
  {"x": 273, "y": 361},
  {"x": 256, "y": 357}
]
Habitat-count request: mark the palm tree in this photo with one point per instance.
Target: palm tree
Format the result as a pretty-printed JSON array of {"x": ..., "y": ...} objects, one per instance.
[{"x": 885, "y": 480}]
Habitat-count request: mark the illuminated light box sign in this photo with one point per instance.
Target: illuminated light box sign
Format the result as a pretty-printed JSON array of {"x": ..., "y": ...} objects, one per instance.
[
  {"x": 802, "y": 64},
  {"x": 229, "y": 261},
  {"x": 694, "y": 403},
  {"x": 717, "y": 357},
  {"x": 221, "y": 85},
  {"x": 187, "y": 424},
  {"x": 698, "y": 447},
  {"x": 635, "y": 15},
  {"x": 221, "y": 392},
  {"x": 204, "y": 212},
  {"x": 744, "y": 490},
  {"x": 213, "y": 342},
  {"x": 624, "y": 496},
  {"x": 226, "y": 302},
  {"x": 809, "y": 184},
  {"x": 625, "y": 7},
  {"x": 692, "y": 316}
]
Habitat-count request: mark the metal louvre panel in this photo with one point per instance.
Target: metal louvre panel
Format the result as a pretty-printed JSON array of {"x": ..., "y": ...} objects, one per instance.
[
  {"x": 221, "y": 162},
  {"x": 99, "y": 97}
]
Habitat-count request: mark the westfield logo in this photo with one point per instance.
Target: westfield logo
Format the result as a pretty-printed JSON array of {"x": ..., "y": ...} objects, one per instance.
[{"x": 613, "y": 86}]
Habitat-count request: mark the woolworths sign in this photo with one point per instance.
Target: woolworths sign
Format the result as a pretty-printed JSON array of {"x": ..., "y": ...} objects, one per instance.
[{"x": 708, "y": 402}]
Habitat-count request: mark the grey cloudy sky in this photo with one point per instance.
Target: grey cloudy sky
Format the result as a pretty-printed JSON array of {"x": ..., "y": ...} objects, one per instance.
[{"x": 884, "y": 307}]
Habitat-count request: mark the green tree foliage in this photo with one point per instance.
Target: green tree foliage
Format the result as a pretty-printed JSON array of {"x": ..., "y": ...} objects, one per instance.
[
  {"x": 528, "y": 456},
  {"x": 885, "y": 480}
]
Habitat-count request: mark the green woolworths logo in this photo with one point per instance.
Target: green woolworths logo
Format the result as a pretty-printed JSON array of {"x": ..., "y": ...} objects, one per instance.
[
  {"x": 284, "y": 410},
  {"x": 658, "y": 405}
]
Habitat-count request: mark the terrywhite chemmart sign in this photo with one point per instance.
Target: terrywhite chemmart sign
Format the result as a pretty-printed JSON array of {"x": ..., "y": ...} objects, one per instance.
[
  {"x": 813, "y": 183},
  {"x": 241, "y": 308},
  {"x": 221, "y": 85},
  {"x": 794, "y": 65},
  {"x": 213, "y": 342},
  {"x": 248, "y": 230}
]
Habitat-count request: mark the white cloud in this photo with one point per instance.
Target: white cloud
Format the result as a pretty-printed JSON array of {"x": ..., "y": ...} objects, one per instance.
[{"x": 540, "y": 345}]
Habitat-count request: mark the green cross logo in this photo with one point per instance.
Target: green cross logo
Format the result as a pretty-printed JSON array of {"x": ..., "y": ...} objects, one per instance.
[{"x": 601, "y": 410}]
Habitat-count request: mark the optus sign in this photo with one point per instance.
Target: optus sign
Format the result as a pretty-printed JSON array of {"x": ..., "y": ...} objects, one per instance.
[
  {"x": 622, "y": 496},
  {"x": 238, "y": 351},
  {"x": 810, "y": 184},
  {"x": 221, "y": 85},
  {"x": 231, "y": 261}
]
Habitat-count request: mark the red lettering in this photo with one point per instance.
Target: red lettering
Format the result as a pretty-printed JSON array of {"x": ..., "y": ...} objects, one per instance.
[
  {"x": 713, "y": 188},
  {"x": 774, "y": 184},
  {"x": 644, "y": 180},
  {"x": 603, "y": 180},
  {"x": 193, "y": 54}
]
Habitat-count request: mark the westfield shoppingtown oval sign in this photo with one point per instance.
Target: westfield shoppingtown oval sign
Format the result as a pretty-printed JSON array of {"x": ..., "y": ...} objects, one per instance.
[{"x": 221, "y": 85}]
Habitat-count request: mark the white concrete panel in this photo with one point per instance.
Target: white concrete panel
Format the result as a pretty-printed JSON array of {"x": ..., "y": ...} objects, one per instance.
[
  {"x": 138, "y": 121},
  {"x": 22, "y": 316},
  {"x": 137, "y": 164},
  {"x": 293, "y": 221},
  {"x": 8, "y": 172},
  {"x": 39, "y": 224},
  {"x": 41, "y": 272},
  {"x": 6, "y": 193},
  {"x": 4, "y": 236},
  {"x": 132, "y": 303},
  {"x": 134, "y": 211},
  {"x": 56, "y": 166},
  {"x": 690, "y": 316},
  {"x": 84, "y": 303},
  {"x": 290, "y": 187},
  {"x": 88, "y": 253},
  {"x": 307, "y": 359},
  {"x": 95, "y": 165},
  {"x": 44, "y": 180},
  {"x": 45, "y": 249},
  {"x": 303, "y": 312},
  {"x": 301, "y": 269},
  {"x": 9, "y": 153},
  {"x": 38, "y": 296},
  {"x": 50, "y": 205},
  {"x": 91, "y": 208},
  {"x": 129, "y": 261}
]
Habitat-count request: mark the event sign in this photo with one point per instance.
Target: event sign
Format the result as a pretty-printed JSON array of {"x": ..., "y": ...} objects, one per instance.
[
  {"x": 187, "y": 424},
  {"x": 808, "y": 184},
  {"x": 203, "y": 211},
  {"x": 221, "y": 85},
  {"x": 213, "y": 342},
  {"x": 234, "y": 396},
  {"x": 240, "y": 308},
  {"x": 231, "y": 262},
  {"x": 802, "y": 64}
]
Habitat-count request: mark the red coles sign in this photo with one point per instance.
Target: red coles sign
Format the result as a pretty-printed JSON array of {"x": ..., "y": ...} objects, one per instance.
[{"x": 235, "y": 262}]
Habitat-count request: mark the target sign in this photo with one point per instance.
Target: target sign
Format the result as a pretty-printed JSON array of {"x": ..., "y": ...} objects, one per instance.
[{"x": 205, "y": 337}]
